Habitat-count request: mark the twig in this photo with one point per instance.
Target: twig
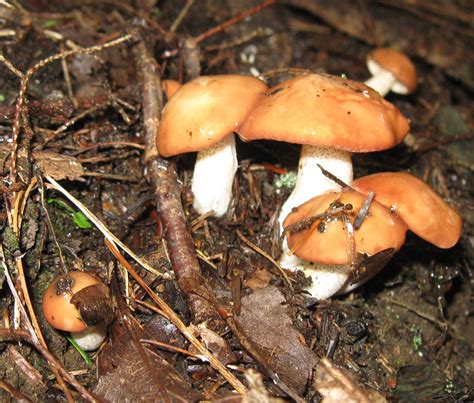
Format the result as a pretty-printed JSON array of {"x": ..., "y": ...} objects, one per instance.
[
  {"x": 16, "y": 394},
  {"x": 10, "y": 334},
  {"x": 266, "y": 256},
  {"x": 233, "y": 21},
  {"x": 333, "y": 177},
  {"x": 35, "y": 332},
  {"x": 364, "y": 209},
  {"x": 24, "y": 81},
  {"x": 175, "y": 319},
  {"x": 181, "y": 15},
  {"x": 105, "y": 231},
  {"x": 162, "y": 177}
]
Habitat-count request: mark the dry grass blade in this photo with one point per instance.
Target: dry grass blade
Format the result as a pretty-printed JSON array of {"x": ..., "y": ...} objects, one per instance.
[
  {"x": 174, "y": 318},
  {"x": 105, "y": 231}
]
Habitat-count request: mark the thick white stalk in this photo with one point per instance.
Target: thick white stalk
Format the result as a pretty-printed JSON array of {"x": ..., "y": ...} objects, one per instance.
[
  {"x": 213, "y": 177},
  {"x": 311, "y": 182},
  {"x": 91, "y": 337},
  {"x": 383, "y": 81}
]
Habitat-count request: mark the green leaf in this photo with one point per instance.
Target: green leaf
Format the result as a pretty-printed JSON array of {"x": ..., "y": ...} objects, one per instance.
[
  {"x": 81, "y": 220},
  {"x": 50, "y": 23},
  {"x": 77, "y": 216},
  {"x": 79, "y": 350}
]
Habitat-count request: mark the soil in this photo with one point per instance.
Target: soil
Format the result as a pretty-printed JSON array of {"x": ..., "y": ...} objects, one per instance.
[{"x": 408, "y": 333}]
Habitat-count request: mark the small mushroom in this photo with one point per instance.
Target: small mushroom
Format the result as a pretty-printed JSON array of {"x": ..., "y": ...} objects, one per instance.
[
  {"x": 331, "y": 250},
  {"x": 202, "y": 116},
  {"x": 424, "y": 211},
  {"x": 391, "y": 71},
  {"x": 78, "y": 303},
  {"x": 331, "y": 117}
]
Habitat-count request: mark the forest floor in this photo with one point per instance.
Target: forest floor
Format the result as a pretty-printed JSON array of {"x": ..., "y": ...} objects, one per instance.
[{"x": 405, "y": 335}]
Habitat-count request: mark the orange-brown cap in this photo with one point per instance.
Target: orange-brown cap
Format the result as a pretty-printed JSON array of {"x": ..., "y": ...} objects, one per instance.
[
  {"x": 170, "y": 87},
  {"x": 204, "y": 111},
  {"x": 326, "y": 111},
  {"x": 326, "y": 241},
  {"x": 396, "y": 63},
  {"x": 57, "y": 308},
  {"x": 424, "y": 211}
]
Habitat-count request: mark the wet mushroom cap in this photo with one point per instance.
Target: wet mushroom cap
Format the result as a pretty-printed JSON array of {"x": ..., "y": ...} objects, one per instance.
[
  {"x": 57, "y": 308},
  {"x": 170, "y": 87},
  {"x": 424, "y": 211},
  {"x": 329, "y": 244},
  {"x": 204, "y": 111},
  {"x": 326, "y": 111},
  {"x": 396, "y": 63}
]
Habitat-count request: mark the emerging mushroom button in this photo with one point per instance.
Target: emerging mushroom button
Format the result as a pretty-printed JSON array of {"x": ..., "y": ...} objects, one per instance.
[
  {"x": 334, "y": 251},
  {"x": 79, "y": 303},
  {"x": 331, "y": 117},
  {"x": 202, "y": 116}
]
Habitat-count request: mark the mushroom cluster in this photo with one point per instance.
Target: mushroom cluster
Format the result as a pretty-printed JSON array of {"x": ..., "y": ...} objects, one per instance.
[
  {"x": 333, "y": 225},
  {"x": 344, "y": 238}
]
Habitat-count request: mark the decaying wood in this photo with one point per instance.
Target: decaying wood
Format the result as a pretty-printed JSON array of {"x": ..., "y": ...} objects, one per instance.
[{"x": 162, "y": 176}]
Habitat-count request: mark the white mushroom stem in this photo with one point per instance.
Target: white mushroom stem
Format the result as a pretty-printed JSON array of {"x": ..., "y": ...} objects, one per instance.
[
  {"x": 311, "y": 182},
  {"x": 91, "y": 337},
  {"x": 383, "y": 81},
  {"x": 213, "y": 177}
]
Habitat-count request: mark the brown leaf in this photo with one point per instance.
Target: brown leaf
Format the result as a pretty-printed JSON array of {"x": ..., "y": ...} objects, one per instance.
[
  {"x": 260, "y": 279},
  {"x": 216, "y": 344},
  {"x": 266, "y": 331},
  {"x": 58, "y": 166},
  {"x": 94, "y": 304},
  {"x": 127, "y": 374}
]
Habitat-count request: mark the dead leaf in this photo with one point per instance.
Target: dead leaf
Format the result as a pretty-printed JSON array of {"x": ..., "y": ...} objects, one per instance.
[
  {"x": 260, "y": 279},
  {"x": 58, "y": 166},
  {"x": 127, "y": 374},
  {"x": 265, "y": 329},
  {"x": 216, "y": 345}
]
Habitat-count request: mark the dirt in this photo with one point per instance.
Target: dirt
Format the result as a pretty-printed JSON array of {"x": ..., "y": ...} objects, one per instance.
[{"x": 408, "y": 333}]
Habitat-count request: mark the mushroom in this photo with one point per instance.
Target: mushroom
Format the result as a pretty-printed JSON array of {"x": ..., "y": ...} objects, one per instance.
[
  {"x": 333, "y": 251},
  {"x": 391, "y": 71},
  {"x": 424, "y": 211},
  {"x": 65, "y": 309},
  {"x": 331, "y": 117},
  {"x": 169, "y": 87},
  {"x": 202, "y": 116}
]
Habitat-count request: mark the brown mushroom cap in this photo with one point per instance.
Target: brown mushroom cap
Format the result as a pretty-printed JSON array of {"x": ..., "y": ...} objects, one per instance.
[
  {"x": 396, "y": 63},
  {"x": 380, "y": 230},
  {"x": 326, "y": 111},
  {"x": 58, "y": 310},
  {"x": 204, "y": 111},
  {"x": 424, "y": 211},
  {"x": 170, "y": 87}
]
